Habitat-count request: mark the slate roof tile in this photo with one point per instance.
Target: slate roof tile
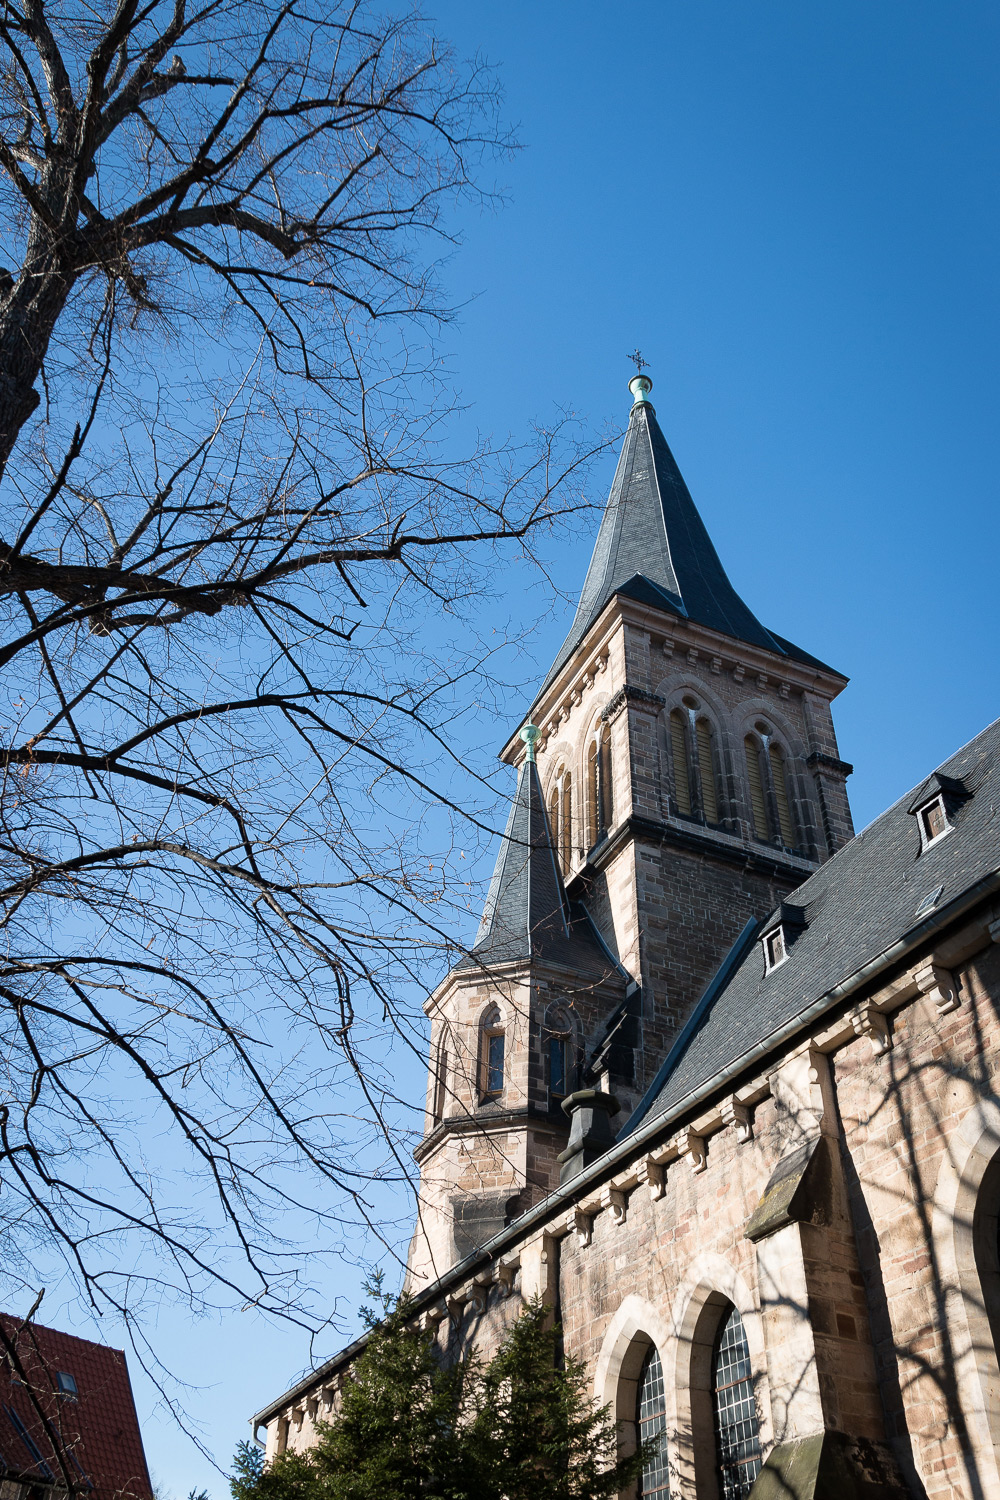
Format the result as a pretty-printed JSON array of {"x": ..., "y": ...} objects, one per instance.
[
  {"x": 652, "y": 546},
  {"x": 856, "y": 906}
]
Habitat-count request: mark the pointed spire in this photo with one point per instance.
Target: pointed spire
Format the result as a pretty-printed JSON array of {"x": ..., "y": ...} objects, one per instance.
[
  {"x": 652, "y": 545},
  {"x": 526, "y": 909}
]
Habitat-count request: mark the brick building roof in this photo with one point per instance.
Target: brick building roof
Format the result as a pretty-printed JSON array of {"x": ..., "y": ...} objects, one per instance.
[{"x": 95, "y": 1426}]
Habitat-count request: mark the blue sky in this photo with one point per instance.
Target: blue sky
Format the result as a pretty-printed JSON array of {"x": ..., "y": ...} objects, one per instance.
[{"x": 792, "y": 210}]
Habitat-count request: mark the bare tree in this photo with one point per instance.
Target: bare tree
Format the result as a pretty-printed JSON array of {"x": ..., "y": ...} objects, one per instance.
[{"x": 234, "y": 554}]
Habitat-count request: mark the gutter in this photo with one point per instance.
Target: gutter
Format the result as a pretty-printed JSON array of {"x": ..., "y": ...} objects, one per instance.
[{"x": 631, "y": 1145}]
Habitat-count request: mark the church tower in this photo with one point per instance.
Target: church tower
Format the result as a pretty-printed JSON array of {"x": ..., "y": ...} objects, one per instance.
[{"x": 679, "y": 775}]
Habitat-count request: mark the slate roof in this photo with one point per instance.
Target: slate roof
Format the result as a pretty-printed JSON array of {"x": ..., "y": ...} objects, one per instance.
[
  {"x": 652, "y": 546},
  {"x": 527, "y": 913},
  {"x": 856, "y": 906},
  {"x": 98, "y": 1430}
]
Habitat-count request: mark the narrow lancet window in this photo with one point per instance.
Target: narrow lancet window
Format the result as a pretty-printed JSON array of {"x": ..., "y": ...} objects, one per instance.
[
  {"x": 441, "y": 1080},
  {"x": 491, "y": 1054},
  {"x": 566, "y": 824},
  {"x": 558, "y": 1039},
  {"x": 737, "y": 1428},
  {"x": 779, "y": 779},
  {"x": 706, "y": 771},
  {"x": 678, "y": 746},
  {"x": 758, "y": 805},
  {"x": 601, "y": 804},
  {"x": 651, "y": 1422}
]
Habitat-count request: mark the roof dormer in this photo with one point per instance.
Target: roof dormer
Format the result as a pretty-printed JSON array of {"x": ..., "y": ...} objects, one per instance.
[
  {"x": 935, "y": 806},
  {"x": 780, "y": 932}
]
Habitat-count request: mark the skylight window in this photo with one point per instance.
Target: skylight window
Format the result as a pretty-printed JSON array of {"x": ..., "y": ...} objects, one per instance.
[
  {"x": 929, "y": 902},
  {"x": 66, "y": 1383}
]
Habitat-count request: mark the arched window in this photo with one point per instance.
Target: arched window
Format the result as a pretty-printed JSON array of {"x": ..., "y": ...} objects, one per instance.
[
  {"x": 737, "y": 1427},
  {"x": 758, "y": 805},
  {"x": 557, "y": 1039},
  {"x": 770, "y": 806},
  {"x": 491, "y": 1054},
  {"x": 554, "y": 813},
  {"x": 599, "y": 768},
  {"x": 651, "y": 1422},
  {"x": 777, "y": 759},
  {"x": 561, "y": 818},
  {"x": 696, "y": 792},
  {"x": 441, "y": 1065},
  {"x": 706, "y": 770},
  {"x": 566, "y": 824},
  {"x": 682, "y": 774}
]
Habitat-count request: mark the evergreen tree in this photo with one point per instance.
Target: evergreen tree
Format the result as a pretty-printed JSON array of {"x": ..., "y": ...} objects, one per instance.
[
  {"x": 411, "y": 1427},
  {"x": 536, "y": 1429}
]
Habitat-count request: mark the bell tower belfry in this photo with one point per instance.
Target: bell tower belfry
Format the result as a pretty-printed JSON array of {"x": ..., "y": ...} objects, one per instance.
[{"x": 683, "y": 777}]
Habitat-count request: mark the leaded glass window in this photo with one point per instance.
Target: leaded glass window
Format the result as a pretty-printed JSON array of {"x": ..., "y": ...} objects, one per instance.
[
  {"x": 651, "y": 1421},
  {"x": 737, "y": 1430}
]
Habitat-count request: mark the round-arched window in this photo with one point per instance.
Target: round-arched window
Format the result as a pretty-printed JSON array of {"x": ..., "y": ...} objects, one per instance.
[
  {"x": 558, "y": 1043},
  {"x": 737, "y": 1428},
  {"x": 651, "y": 1422},
  {"x": 491, "y": 1054}
]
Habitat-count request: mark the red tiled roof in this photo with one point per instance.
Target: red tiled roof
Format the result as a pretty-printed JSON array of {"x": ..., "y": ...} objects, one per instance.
[{"x": 98, "y": 1431}]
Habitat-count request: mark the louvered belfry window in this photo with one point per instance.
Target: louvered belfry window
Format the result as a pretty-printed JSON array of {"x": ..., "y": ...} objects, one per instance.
[
  {"x": 737, "y": 1429},
  {"x": 651, "y": 1421},
  {"x": 678, "y": 746},
  {"x": 758, "y": 805},
  {"x": 778, "y": 777},
  {"x": 706, "y": 771},
  {"x": 566, "y": 824}
]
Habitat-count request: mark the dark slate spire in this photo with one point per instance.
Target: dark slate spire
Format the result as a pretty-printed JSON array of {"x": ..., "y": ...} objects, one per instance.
[
  {"x": 527, "y": 913},
  {"x": 653, "y": 546}
]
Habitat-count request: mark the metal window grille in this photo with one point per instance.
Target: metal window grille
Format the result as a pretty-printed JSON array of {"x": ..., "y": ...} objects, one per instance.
[
  {"x": 651, "y": 1419},
  {"x": 737, "y": 1429}
]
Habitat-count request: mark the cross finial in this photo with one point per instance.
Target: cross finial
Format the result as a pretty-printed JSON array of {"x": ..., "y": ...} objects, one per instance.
[{"x": 638, "y": 361}]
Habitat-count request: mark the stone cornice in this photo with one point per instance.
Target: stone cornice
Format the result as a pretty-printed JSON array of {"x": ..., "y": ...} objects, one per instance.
[
  {"x": 522, "y": 969},
  {"x": 719, "y": 653},
  {"x": 485, "y": 1122},
  {"x": 757, "y": 857},
  {"x": 636, "y": 695},
  {"x": 817, "y": 760}
]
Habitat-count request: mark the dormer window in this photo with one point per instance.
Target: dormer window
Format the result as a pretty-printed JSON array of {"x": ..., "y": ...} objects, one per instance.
[
  {"x": 933, "y": 821},
  {"x": 936, "y": 805},
  {"x": 784, "y": 927},
  {"x": 774, "y": 949}
]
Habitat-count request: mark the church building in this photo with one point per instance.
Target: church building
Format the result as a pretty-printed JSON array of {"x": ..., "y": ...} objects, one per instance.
[{"x": 718, "y": 1079}]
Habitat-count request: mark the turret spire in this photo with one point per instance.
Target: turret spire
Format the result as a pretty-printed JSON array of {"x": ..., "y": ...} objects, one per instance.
[{"x": 527, "y": 913}]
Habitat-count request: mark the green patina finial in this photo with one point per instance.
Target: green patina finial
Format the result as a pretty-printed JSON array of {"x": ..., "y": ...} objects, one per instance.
[
  {"x": 640, "y": 386},
  {"x": 529, "y": 734}
]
